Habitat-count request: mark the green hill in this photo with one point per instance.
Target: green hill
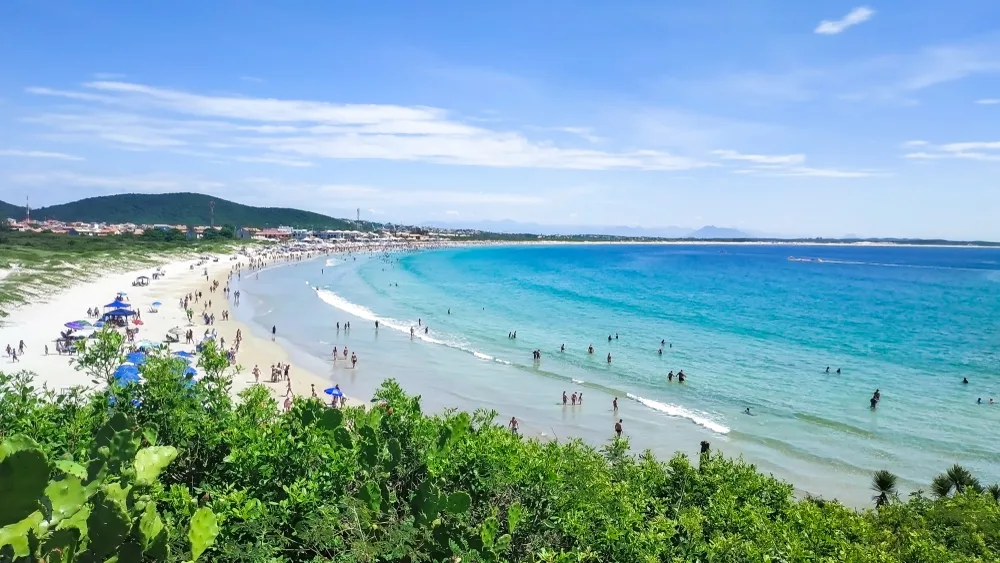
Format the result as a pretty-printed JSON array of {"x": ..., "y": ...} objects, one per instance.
[
  {"x": 179, "y": 209},
  {"x": 11, "y": 210}
]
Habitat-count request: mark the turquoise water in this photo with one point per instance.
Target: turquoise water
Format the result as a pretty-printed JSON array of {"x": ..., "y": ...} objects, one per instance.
[{"x": 749, "y": 327}]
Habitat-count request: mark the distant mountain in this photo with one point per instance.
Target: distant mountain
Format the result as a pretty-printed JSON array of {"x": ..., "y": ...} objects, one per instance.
[
  {"x": 10, "y": 210},
  {"x": 178, "y": 209},
  {"x": 713, "y": 232},
  {"x": 515, "y": 227}
]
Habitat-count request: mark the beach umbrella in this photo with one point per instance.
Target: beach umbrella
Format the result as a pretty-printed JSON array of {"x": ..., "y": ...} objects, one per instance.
[
  {"x": 99, "y": 324},
  {"x": 75, "y": 325},
  {"x": 135, "y": 402},
  {"x": 146, "y": 344},
  {"x": 157, "y": 303},
  {"x": 127, "y": 374},
  {"x": 183, "y": 354},
  {"x": 117, "y": 304},
  {"x": 138, "y": 322},
  {"x": 136, "y": 358},
  {"x": 190, "y": 371},
  {"x": 177, "y": 331},
  {"x": 334, "y": 391}
]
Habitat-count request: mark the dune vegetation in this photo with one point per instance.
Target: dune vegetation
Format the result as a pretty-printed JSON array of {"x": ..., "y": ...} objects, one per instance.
[{"x": 183, "y": 471}]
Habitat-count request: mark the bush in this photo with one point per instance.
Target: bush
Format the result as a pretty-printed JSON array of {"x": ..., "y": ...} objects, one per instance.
[{"x": 391, "y": 483}]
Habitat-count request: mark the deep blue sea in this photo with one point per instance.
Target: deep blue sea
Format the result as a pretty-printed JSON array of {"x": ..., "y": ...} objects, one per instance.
[{"x": 749, "y": 326}]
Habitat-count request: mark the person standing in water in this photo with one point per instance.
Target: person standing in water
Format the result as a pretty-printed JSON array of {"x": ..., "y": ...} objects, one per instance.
[
  {"x": 564, "y": 398},
  {"x": 614, "y": 404},
  {"x": 512, "y": 425},
  {"x": 274, "y": 331},
  {"x": 376, "y": 324},
  {"x": 618, "y": 428},
  {"x": 609, "y": 357}
]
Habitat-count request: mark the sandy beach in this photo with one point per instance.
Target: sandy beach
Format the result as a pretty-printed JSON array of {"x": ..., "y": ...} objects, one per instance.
[{"x": 39, "y": 324}]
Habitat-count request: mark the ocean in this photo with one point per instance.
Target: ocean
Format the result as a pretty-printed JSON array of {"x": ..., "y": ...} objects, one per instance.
[{"x": 750, "y": 326}]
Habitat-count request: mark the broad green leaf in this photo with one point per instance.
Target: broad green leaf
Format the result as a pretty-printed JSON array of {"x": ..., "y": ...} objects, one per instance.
[
  {"x": 204, "y": 529},
  {"x": 67, "y": 496},
  {"x": 71, "y": 468},
  {"x": 24, "y": 473},
  {"x": 149, "y": 462}
]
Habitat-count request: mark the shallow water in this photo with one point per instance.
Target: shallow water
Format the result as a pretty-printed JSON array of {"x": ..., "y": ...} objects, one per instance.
[{"x": 749, "y": 327}]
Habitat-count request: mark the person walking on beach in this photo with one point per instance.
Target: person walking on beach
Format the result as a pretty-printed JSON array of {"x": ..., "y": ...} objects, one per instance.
[
  {"x": 579, "y": 399},
  {"x": 256, "y": 374},
  {"x": 512, "y": 425},
  {"x": 614, "y": 404},
  {"x": 354, "y": 361},
  {"x": 376, "y": 324},
  {"x": 618, "y": 428},
  {"x": 20, "y": 347},
  {"x": 274, "y": 331},
  {"x": 312, "y": 387}
]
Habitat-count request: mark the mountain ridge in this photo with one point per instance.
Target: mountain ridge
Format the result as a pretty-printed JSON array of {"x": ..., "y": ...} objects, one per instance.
[{"x": 178, "y": 208}]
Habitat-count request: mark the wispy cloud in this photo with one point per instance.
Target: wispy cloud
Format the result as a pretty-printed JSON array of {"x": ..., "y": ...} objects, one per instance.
[
  {"x": 858, "y": 15},
  {"x": 761, "y": 158},
  {"x": 787, "y": 165},
  {"x": 988, "y": 101},
  {"x": 969, "y": 150},
  {"x": 291, "y": 132},
  {"x": 39, "y": 154},
  {"x": 136, "y": 183}
]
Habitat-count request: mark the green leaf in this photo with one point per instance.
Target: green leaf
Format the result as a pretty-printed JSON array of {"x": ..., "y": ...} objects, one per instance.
[
  {"x": 502, "y": 543},
  {"x": 107, "y": 526},
  {"x": 71, "y": 468},
  {"x": 149, "y": 462},
  {"x": 332, "y": 419},
  {"x": 66, "y": 497},
  {"x": 150, "y": 527},
  {"x": 204, "y": 529},
  {"x": 488, "y": 531},
  {"x": 369, "y": 454},
  {"x": 24, "y": 473},
  {"x": 515, "y": 514},
  {"x": 16, "y": 535},
  {"x": 459, "y": 502},
  {"x": 371, "y": 494},
  {"x": 122, "y": 450},
  {"x": 343, "y": 437},
  {"x": 59, "y": 546},
  {"x": 395, "y": 452}
]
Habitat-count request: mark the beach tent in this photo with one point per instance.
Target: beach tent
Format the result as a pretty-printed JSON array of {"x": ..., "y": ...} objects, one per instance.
[
  {"x": 118, "y": 304},
  {"x": 334, "y": 392},
  {"x": 136, "y": 358},
  {"x": 127, "y": 374},
  {"x": 119, "y": 313}
]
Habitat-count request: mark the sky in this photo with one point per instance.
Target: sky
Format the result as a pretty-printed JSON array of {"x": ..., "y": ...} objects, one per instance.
[{"x": 817, "y": 118}]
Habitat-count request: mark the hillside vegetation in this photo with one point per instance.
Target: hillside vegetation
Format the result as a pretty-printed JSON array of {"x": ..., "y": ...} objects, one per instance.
[
  {"x": 178, "y": 209},
  {"x": 390, "y": 483}
]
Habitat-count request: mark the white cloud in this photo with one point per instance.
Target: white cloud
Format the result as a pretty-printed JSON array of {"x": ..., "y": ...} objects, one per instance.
[
  {"x": 761, "y": 158},
  {"x": 858, "y": 15},
  {"x": 915, "y": 143},
  {"x": 970, "y": 150},
  {"x": 290, "y": 132},
  {"x": 136, "y": 183},
  {"x": 787, "y": 165},
  {"x": 988, "y": 101},
  {"x": 39, "y": 154}
]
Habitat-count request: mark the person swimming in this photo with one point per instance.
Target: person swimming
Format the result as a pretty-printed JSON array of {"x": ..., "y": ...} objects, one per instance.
[
  {"x": 670, "y": 376},
  {"x": 562, "y": 348},
  {"x": 747, "y": 411},
  {"x": 965, "y": 380},
  {"x": 590, "y": 349},
  {"x": 660, "y": 351},
  {"x": 609, "y": 357},
  {"x": 838, "y": 371},
  {"x": 609, "y": 338},
  {"x": 827, "y": 369}
]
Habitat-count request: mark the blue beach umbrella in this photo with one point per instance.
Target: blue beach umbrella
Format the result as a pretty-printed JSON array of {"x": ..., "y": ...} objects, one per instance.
[
  {"x": 118, "y": 304},
  {"x": 127, "y": 374},
  {"x": 190, "y": 371},
  {"x": 137, "y": 358},
  {"x": 334, "y": 391},
  {"x": 157, "y": 303},
  {"x": 99, "y": 324},
  {"x": 183, "y": 354},
  {"x": 75, "y": 325}
]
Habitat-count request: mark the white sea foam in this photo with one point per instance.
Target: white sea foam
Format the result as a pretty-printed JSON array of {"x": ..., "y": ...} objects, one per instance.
[
  {"x": 363, "y": 312},
  {"x": 331, "y": 262},
  {"x": 578, "y": 381},
  {"x": 681, "y": 412}
]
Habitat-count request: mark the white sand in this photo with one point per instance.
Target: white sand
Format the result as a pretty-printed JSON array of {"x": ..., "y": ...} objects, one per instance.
[{"x": 39, "y": 324}]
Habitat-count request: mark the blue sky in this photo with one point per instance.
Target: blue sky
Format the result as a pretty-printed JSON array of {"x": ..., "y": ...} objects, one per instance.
[{"x": 799, "y": 118}]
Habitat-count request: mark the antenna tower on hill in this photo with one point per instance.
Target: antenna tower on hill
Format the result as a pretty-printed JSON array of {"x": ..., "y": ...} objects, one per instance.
[
  {"x": 211, "y": 212},
  {"x": 359, "y": 214},
  {"x": 27, "y": 210}
]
